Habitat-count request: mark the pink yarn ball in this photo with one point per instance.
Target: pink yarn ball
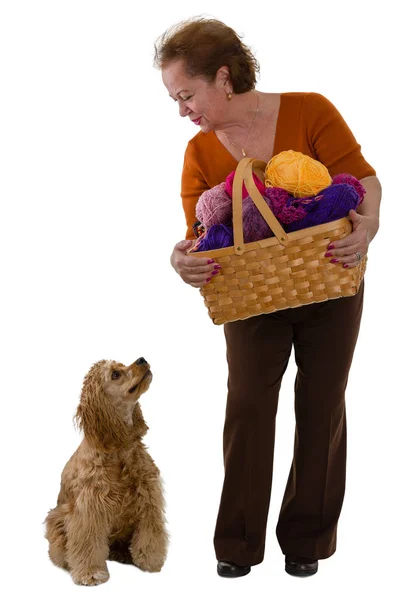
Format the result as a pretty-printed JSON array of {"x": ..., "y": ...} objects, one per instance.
[
  {"x": 245, "y": 193},
  {"x": 214, "y": 206},
  {"x": 350, "y": 180},
  {"x": 255, "y": 226}
]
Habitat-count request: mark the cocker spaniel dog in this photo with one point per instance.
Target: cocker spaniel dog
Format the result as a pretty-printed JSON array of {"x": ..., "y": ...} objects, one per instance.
[{"x": 110, "y": 504}]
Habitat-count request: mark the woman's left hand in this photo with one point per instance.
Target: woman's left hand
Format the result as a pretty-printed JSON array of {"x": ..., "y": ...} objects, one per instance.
[{"x": 344, "y": 251}]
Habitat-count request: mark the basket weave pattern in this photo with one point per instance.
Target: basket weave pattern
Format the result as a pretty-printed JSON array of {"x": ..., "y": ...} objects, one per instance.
[{"x": 274, "y": 274}]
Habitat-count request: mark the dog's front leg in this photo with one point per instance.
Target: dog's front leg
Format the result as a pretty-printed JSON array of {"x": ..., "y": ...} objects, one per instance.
[
  {"x": 150, "y": 538},
  {"x": 87, "y": 545}
]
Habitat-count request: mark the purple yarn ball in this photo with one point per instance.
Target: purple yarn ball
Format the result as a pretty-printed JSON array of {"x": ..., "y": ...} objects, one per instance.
[
  {"x": 347, "y": 178},
  {"x": 334, "y": 202},
  {"x": 218, "y": 236}
]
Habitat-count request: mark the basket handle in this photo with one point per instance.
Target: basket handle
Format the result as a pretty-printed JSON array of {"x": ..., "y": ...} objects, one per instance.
[{"x": 244, "y": 173}]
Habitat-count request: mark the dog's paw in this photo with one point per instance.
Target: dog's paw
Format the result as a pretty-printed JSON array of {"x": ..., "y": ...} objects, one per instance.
[
  {"x": 151, "y": 565},
  {"x": 155, "y": 567},
  {"x": 94, "y": 576},
  {"x": 149, "y": 549}
]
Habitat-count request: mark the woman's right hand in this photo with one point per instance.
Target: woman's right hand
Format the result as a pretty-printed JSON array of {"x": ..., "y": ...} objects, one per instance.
[{"x": 192, "y": 269}]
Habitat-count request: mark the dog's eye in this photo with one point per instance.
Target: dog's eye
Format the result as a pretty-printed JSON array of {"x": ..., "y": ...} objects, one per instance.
[{"x": 115, "y": 375}]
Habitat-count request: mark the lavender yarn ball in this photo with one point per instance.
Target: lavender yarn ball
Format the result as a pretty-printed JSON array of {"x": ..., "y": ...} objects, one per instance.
[
  {"x": 334, "y": 202},
  {"x": 347, "y": 178},
  {"x": 218, "y": 236},
  {"x": 255, "y": 226},
  {"x": 214, "y": 206}
]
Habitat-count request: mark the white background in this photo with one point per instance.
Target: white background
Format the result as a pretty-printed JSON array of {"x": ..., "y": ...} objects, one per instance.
[{"x": 91, "y": 156}]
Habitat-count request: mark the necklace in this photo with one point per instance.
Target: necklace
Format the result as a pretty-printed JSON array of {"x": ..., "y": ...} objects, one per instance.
[{"x": 243, "y": 151}]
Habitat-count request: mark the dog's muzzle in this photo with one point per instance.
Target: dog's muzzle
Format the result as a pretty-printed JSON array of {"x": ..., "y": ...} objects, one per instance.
[{"x": 133, "y": 388}]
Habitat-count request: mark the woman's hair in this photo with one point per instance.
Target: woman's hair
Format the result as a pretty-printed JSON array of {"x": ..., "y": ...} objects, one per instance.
[{"x": 205, "y": 45}]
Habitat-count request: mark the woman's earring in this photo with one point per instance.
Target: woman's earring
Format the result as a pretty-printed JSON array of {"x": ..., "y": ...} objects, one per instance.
[{"x": 229, "y": 96}]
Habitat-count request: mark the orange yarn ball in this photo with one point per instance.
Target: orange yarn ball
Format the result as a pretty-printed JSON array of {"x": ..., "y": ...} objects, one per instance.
[{"x": 297, "y": 173}]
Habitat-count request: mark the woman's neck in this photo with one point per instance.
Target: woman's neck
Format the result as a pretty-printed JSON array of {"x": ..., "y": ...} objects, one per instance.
[{"x": 240, "y": 113}]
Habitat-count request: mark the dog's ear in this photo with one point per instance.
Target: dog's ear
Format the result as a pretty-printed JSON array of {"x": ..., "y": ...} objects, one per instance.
[
  {"x": 139, "y": 424},
  {"x": 103, "y": 427}
]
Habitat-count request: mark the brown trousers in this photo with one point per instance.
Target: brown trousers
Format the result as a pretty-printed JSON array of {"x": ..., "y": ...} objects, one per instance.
[{"x": 258, "y": 349}]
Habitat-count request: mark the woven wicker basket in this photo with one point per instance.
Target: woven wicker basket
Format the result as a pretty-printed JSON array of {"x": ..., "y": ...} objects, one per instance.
[{"x": 275, "y": 273}]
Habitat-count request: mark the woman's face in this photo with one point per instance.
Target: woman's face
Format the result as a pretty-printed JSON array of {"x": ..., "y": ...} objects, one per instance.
[{"x": 203, "y": 102}]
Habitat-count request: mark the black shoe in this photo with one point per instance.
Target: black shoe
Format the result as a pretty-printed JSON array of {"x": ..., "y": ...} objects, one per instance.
[
  {"x": 228, "y": 569},
  {"x": 301, "y": 567}
]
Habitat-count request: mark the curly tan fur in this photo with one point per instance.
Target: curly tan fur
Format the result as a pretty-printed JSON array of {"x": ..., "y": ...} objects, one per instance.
[{"x": 110, "y": 504}]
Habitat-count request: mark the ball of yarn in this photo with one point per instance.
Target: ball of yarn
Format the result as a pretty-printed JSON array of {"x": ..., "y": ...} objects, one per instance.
[
  {"x": 255, "y": 226},
  {"x": 285, "y": 207},
  {"x": 332, "y": 203},
  {"x": 347, "y": 178},
  {"x": 245, "y": 193},
  {"x": 218, "y": 236},
  {"x": 214, "y": 206},
  {"x": 297, "y": 173}
]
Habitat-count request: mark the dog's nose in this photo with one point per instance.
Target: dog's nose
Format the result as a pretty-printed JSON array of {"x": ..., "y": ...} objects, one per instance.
[{"x": 141, "y": 360}]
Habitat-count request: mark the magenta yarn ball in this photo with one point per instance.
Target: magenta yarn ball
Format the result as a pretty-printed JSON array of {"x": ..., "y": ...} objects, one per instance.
[
  {"x": 285, "y": 207},
  {"x": 214, "y": 206},
  {"x": 351, "y": 180},
  {"x": 245, "y": 193}
]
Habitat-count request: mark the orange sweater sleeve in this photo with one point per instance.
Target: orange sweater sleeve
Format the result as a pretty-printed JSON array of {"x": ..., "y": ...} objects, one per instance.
[
  {"x": 331, "y": 139},
  {"x": 193, "y": 185}
]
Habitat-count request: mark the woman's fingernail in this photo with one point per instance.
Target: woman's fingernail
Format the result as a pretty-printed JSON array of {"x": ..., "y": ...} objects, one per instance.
[
  {"x": 209, "y": 279},
  {"x": 328, "y": 254},
  {"x": 331, "y": 247},
  {"x": 210, "y": 261},
  {"x": 345, "y": 266},
  {"x": 215, "y": 272},
  {"x": 334, "y": 260}
]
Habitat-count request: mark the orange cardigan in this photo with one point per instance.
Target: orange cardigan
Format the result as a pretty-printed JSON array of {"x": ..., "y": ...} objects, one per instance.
[{"x": 307, "y": 123}]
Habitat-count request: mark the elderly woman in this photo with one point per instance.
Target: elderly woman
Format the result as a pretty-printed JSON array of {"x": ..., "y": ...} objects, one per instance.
[{"x": 211, "y": 74}]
